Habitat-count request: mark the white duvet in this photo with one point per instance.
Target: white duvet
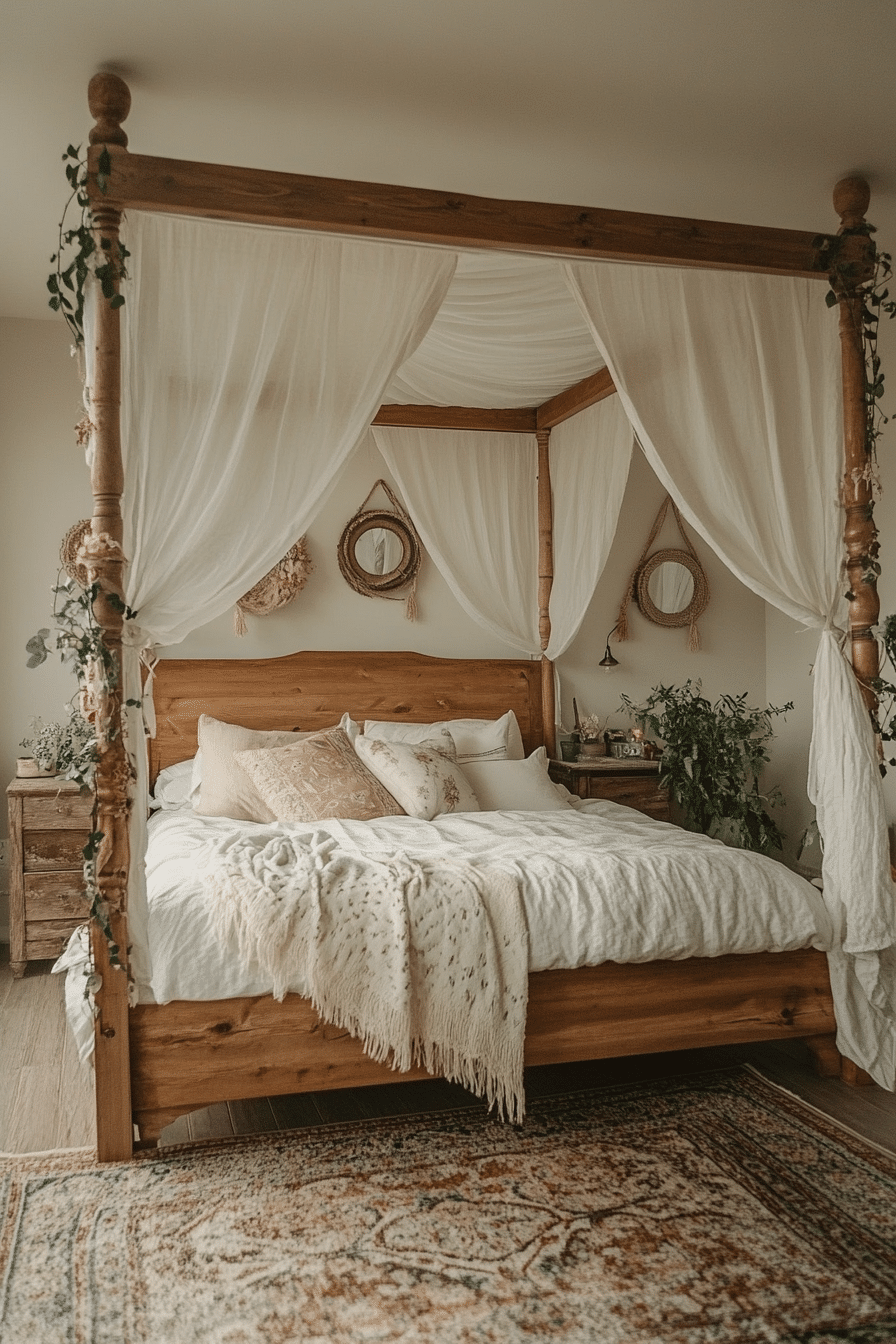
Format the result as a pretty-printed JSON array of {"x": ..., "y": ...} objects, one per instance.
[{"x": 599, "y": 882}]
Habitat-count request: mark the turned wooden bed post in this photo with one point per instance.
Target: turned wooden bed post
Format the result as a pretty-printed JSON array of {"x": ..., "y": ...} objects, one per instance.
[
  {"x": 851, "y": 197},
  {"x": 109, "y": 102},
  {"x": 545, "y": 583}
]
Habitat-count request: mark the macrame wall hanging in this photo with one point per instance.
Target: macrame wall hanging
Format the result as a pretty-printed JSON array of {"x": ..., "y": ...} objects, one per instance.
[
  {"x": 278, "y": 587},
  {"x": 669, "y": 586},
  {"x": 368, "y": 551}
]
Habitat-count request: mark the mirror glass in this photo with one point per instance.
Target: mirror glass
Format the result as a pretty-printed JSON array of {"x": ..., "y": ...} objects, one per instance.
[
  {"x": 671, "y": 587},
  {"x": 378, "y": 551}
]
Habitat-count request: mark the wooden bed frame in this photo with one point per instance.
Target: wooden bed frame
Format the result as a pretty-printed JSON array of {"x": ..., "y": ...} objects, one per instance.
[{"x": 154, "y": 1063}]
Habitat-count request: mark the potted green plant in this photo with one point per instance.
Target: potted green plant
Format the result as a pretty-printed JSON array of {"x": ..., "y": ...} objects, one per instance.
[
  {"x": 712, "y": 762},
  {"x": 67, "y": 749}
]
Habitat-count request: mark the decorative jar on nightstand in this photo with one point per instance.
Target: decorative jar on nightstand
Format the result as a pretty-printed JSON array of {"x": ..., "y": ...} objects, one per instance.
[{"x": 49, "y": 825}]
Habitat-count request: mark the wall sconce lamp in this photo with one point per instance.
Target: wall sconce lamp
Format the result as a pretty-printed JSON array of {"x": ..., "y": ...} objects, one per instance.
[{"x": 608, "y": 662}]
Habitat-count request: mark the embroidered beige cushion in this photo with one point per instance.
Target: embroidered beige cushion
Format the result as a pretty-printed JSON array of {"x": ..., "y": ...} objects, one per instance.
[
  {"x": 319, "y": 777},
  {"x": 516, "y": 786},
  {"x": 475, "y": 739},
  {"x": 224, "y": 789},
  {"x": 424, "y": 777}
]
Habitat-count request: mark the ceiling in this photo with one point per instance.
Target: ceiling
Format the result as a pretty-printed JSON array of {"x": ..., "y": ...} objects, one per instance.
[{"x": 744, "y": 110}]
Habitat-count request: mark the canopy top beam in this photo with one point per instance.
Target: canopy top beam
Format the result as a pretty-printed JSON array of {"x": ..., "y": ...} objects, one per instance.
[{"x": 449, "y": 219}]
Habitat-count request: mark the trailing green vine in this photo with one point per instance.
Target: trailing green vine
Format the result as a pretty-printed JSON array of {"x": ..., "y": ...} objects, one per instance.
[
  {"x": 77, "y": 255},
  {"x": 79, "y": 640},
  {"x": 866, "y": 282}
]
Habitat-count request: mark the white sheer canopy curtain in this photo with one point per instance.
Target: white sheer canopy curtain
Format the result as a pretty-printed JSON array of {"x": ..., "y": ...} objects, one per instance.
[
  {"x": 253, "y": 360},
  {"x": 732, "y": 384},
  {"x": 473, "y": 498}
]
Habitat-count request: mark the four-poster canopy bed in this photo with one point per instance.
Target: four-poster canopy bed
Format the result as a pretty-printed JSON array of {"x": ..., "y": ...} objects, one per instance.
[{"x": 154, "y": 1062}]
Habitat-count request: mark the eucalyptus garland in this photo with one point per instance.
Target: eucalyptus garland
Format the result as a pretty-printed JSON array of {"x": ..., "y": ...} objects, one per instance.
[
  {"x": 79, "y": 640},
  {"x": 77, "y": 255}
]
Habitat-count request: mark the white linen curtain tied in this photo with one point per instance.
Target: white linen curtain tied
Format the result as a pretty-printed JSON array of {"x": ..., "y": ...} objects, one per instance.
[
  {"x": 253, "y": 360},
  {"x": 590, "y": 458},
  {"x": 473, "y": 498},
  {"x": 732, "y": 384}
]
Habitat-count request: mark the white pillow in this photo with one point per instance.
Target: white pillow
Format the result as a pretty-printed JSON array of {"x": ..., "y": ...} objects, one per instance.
[
  {"x": 224, "y": 789},
  {"x": 474, "y": 739},
  {"x": 173, "y": 786},
  {"x": 515, "y": 786},
  {"x": 422, "y": 777}
]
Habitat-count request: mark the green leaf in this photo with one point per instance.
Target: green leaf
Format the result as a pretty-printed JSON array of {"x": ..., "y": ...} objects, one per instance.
[{"x": 117, "y": 301}]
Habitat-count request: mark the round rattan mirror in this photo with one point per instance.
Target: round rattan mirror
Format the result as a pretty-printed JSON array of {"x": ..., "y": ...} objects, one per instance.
[
  {"x": 671, "y": 588},
  {"x": 378, "y": 552}
]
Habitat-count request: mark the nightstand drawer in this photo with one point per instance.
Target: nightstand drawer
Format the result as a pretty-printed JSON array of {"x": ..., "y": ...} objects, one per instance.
[
  {"x": 65, "y": 812},
  {"x": 50, "y": 821},
  {"x": 55, "y": 896},
  {"x": 48, "y": 938},
  {"x": 634, "y": 784},
  {"x": 48, "y": 850},
  {"x": 644, "y": 794}
]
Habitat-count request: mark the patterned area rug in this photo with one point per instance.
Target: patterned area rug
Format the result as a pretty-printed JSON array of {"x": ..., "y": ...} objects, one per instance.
[{"x": 710, "y": 1208}]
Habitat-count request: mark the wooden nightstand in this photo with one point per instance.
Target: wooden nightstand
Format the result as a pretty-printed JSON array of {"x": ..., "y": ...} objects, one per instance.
[
  {"x": 633, "y": 783},
  {"x": 49, "y": 824}
]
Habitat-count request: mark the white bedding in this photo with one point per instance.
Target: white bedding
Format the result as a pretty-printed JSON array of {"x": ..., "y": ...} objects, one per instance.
[{"x": 599, "y": 882}]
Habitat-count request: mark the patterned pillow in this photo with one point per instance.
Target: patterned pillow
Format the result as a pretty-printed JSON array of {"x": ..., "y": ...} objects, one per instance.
[
  {"x": 423, "y": 777},
  {"x": 475, "y": 739},
  {"x": 316, "y": 778}
]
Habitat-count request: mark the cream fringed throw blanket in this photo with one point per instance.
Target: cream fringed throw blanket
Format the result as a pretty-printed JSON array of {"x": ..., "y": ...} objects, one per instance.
[{"x": 424, "y": 964}]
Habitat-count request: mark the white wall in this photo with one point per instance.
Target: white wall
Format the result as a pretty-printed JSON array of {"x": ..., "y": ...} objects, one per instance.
[{"x": 44, "y": 489}]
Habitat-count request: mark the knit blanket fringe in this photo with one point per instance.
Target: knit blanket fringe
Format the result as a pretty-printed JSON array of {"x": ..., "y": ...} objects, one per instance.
[{"x": 426, "y": 965}]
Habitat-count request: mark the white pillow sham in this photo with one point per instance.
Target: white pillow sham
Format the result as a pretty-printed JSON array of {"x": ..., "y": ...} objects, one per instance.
[
  {"x": 173, "y": 787},
  {"x": 422, "y": 777},
  {"x": 515, "y": 786},
  {"x": 224, "y": 789},
  {"x": 474, "y": 739}
]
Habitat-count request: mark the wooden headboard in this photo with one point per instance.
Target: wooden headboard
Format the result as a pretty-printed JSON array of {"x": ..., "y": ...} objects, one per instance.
[{"x": 313, "y": 690}]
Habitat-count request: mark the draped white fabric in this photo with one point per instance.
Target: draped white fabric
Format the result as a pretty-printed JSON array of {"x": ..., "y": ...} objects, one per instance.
[
  {"x": 509, "y": 333},
  {"x": 253, "y": 360},
  {"x": 590, "y": 457},
  {"x": 473, "y": 499},
  {"x": 732, "y": 384}
]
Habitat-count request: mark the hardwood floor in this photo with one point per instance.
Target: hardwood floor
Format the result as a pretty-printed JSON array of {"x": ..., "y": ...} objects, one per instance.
[{"x": 46, "y": 1095}]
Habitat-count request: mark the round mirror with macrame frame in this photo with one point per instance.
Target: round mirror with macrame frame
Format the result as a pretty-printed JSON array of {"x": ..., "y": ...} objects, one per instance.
[
  {"x": 379, "y": 552},
  {"x": 669, "y": 585}
]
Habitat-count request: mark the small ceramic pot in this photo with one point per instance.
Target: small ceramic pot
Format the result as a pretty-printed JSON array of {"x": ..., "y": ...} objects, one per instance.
[{"x": 28, "y": 768}]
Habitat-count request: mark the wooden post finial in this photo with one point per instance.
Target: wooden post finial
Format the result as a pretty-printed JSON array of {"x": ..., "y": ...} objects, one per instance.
[
  {"x": 851, "y": 198},
  {"x": 109, "y": 100}
]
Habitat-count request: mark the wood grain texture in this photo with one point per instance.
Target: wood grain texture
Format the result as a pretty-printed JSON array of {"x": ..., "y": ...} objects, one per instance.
[
  {"x": 312, "y": 690},
  {"x": 188, "y": 1055},
  {"x": 453, "y": 219},
  {"x": 514, "y": 421},
  {"x": 851, "y": 198},
  {"x": 16, "y": 887},
  {"x": 105, "y": 559},
  {"x": 596, "y": 387}
]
